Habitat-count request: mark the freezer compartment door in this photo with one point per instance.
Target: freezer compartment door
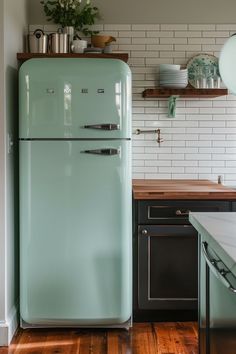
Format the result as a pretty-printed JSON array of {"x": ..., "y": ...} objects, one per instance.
[
  {"x": 75, "y": 98},
  {"x": 75, "y": 232}
]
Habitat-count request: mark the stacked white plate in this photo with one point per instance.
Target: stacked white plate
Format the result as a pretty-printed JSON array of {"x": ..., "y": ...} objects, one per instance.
[{"x": 171, "y": 76}]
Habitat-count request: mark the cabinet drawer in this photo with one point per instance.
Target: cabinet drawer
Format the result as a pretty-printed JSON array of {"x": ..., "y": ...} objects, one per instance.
[{"x": 176, "y": 212}]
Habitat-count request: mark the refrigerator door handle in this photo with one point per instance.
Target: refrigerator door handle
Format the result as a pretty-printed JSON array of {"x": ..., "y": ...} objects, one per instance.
[
  {"x": 108, "y": 126},
  {"x": 105, "y": 152}
]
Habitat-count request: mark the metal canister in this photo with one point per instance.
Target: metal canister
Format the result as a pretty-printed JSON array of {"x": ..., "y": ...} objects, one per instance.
[
  {"x": 38, "y": 42},
  {"x": 59, "y": 42},
  {"x": 63, "y": 43}
]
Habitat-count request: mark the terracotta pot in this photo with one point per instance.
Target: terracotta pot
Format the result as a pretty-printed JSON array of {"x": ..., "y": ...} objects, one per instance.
[{"x": 101, "y": 41}]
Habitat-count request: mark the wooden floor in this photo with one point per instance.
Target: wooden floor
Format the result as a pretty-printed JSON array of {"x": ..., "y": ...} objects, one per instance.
[{"x": 144, "y": 338}]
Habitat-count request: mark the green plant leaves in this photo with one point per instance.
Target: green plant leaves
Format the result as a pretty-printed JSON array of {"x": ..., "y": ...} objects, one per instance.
[{"x": 71, "y": 13}]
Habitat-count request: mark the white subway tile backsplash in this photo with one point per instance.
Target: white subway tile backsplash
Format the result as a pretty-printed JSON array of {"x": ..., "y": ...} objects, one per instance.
[
  {"x": 212, "y": 137},
  {"x": 138, "y": 175},
  {"x": 197, "y": 143},
  {"x": 198, "y": 170},
  {"x": 230, "y": 163},
  {"x": 211, "y": 150},
  {"x": 185, "y": 137},
  {"x": 188, "y": 34},
  {"x": 146, "y": 54},
  {"x": 198, "y": 157},
  {"x": 212, "y": 163},
  {"x": 202, "y": 27},
  {"x": 212, "y": 123},
  {"x": 149, "y": 40},
  {"x": 215, "y": 34},
  {"x": 157, "y": 176},
  {"x": 230, "y": 150},
  {"x": 159, "y": 47},
  {"x": 145, "y": 169},
  {"x": 175, "y": 54},
  {"x": 171, "y": 169},
  {"x": 198, "y": 116},
  {"x": 203, "y": 40},
  {"x": 224, "y": 130},
  {"x": 187, "y": 47},
  {"x": 158, "y": 34},
  {"x": 111, "y": 27},
  {"x": 138, "y": 34},
  {"x": 174, "y": 27},
  {"x": 224, "y": 157},
  {"x": 157, "y": 61},
  {"x": 184, "y": 124},
  {"x": 185, "y": 176},
  {"x": 225, "y": 143},
  {"x": 125, "y": 47},
  {"x": 157, "y": 149},
  {"x": 217, "y": 110},
  {"x": 141, "y": 27},
  {"x": 158, "y": 163},
  {"x": 168, "y": 40},
  {"x": 171, "y": 156},
  {"x": 211, "y": 47},
  {"x": 199, "y": 130},
  {"x": 226, "y": 27},
  {"x": 231, "y": 137},
  {"x": 137, "y": 163},
  {"x": 185, "y": 163}
]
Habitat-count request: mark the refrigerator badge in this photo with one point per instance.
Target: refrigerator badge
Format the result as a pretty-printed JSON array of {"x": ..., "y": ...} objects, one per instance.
[
  {"x": 100, "y": 91},
  {"x": 84, "y": 90},
  {"x": 50, "y": 90}
]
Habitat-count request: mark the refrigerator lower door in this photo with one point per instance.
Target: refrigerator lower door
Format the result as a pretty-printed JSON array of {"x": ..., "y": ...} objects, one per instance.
[{"x": 75, "y": 232}]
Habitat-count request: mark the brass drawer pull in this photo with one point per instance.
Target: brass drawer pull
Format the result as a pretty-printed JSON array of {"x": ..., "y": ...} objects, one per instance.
[{"x": 182, "y": 212}]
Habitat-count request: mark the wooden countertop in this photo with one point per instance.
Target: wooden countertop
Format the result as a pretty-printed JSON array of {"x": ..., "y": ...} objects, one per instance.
[{"x": 181, "y": 189}]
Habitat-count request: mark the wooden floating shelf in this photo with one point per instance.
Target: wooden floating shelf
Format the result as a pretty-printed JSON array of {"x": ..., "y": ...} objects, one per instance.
[
  {"x": 188, "y": 92},
  {"x": 26, "y": 56}
]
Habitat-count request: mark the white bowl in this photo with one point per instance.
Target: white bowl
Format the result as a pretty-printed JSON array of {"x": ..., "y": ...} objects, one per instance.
[{"x": 164, "y": 67}]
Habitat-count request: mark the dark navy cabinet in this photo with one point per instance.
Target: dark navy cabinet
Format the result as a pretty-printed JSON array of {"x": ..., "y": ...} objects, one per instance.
[{"x": 166, "y": 258}]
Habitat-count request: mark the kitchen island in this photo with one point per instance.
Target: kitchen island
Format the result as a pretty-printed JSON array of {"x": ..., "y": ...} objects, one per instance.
[
  {"x": 217, "y": 281},
  {"x": 165, "y": 244},
  {"x": 219, "y": 230}
]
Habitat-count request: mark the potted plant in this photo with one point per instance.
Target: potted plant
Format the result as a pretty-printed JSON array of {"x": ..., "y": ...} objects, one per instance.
[{"x": 71, "y": 13}]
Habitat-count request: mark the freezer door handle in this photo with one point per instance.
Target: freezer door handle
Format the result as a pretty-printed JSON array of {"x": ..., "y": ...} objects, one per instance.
[
  {"x": 108, "y": 126},
  {"x": 105, "y": 152}
]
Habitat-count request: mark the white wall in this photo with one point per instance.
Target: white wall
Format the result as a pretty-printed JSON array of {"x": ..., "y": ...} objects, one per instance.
[
  {"x": 154, "y": 11},
  {"x": 14, "y": 26}
]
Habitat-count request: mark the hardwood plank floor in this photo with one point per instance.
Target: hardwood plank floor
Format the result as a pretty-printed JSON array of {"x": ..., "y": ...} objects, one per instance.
[{"x": 144, "y": 338}]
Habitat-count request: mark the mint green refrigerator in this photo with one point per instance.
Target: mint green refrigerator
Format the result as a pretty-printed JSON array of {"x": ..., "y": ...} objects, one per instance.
[{"x": 75, "y": 193}]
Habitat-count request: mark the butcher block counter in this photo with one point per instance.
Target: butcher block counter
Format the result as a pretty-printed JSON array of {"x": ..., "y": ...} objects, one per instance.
[{"x": 181, "y": 190}]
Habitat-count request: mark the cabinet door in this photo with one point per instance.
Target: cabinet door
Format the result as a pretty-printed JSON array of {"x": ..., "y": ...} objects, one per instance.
[{"x": 168, "y": 262}]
